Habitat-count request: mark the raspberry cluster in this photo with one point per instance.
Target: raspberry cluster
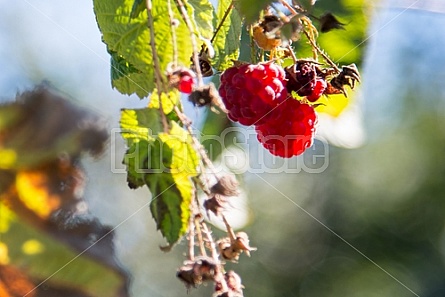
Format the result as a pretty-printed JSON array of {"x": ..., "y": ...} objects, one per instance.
[{"x": 259, "y": 95}]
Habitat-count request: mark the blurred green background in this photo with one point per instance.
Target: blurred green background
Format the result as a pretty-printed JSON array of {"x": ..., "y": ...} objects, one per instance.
[{"x": 371, "y": 224}]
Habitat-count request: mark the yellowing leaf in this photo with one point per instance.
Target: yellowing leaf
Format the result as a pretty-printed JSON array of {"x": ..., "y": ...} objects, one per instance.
[
  {"x": 333, "y": 105},
  {"x": 40, "y": 186},
  {"x": 169, "y": 101},
  {"x": 165, "y": 162},
  {"x": 140, "y": 124},
  {"x": 172, "y": 189}
]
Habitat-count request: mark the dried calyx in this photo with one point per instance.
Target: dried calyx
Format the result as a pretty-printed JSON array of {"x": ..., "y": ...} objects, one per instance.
[
  {"x": 348, "y": 76},
  {"x": 225, "y": 187},
  {"x": 308, "y": 79},
  {"x": 216, "y": 204},
  {"x": 195, "y": 272},
  {"x": 329, "y": 22},
  {"x": 205, "y": 65},
  {"x": 231, "y": 248},
  {"x": 204, "y": 95},
  {"x": 234, "y": 286}
]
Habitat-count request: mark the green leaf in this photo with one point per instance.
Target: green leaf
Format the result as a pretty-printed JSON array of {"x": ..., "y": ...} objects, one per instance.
[
  {"x": 172, "y": 188},
  {"x": 136, "y": 159},
  {"x": 250, "y": 9},
  {"x": 129, "y": 38},
  {"x": 138, "y": 7},
  {"x": 165, "y": 162},
  {"x": 201, "y": 11},
  {"x": 125, "y": 31},
  {"x": 120, "y": 67},
  {"x": 169, "y": 101},
  {"x": 227, "y": 40}
]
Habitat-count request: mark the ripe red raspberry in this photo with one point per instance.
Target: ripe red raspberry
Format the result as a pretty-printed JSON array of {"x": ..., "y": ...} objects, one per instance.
[
  {"x": 291, "y": 132},
  {"x": 250, "y": 92},
  {"x": 186, "y": 84},
  {"x": 320, "y": 86}
]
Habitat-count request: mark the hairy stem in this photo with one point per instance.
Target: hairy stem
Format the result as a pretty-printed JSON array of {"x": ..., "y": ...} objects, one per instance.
[
  {"x": 291, "y": 51},
  {"x": 193, "y": 41},
  {"x": 199, "y": 235},
  {"x": 191, "y": 240},
  {"x": 158, "y": 74},
  {"x": 201, "y": 151},
  {"x": 229, "y": 229},
  {"x": 210, "y": 240},
  {"x": 318, "y": 49}
]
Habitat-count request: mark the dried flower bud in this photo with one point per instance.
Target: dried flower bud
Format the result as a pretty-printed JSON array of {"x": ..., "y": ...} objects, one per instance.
[
  {"x": 233, "y": 281},
  {"x": 205, "y": 95},
  {"x": 231, "y": 249},
  {"x": 234, "y": 286},
  {"x": 196, "y": 272},
  {"x": 215, "y": 204},
  {"x": 242, "y": 243},
  {"x": 226, "y": 186},
  {"x": 329, "y": 22},
  {"x": 348, "y": 76},
  {"x": 227, "y": 250},
  {"x": 207, "y": 52}
]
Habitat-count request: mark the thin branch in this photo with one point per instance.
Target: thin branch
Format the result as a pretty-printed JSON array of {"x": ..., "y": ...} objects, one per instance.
[
  {"x": 174, "y": 41},
  {"x": 229, "y": 229},
  {"x": 187, "y": 123},
  {"x": 199, "y": 235},
  {"x": 210, "y": 241},
  {"x": 291, "y": 51},
  {"x": 318, "y": 49},
  {"x": 219, "y": 277},
  {"x": 292, "y": 9},
  {"x": 193, "y": 41},
  {"x": 158, "y": 74},
  {"x": 221, "y": 23},
  {"x": 191, "y": 241}
]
